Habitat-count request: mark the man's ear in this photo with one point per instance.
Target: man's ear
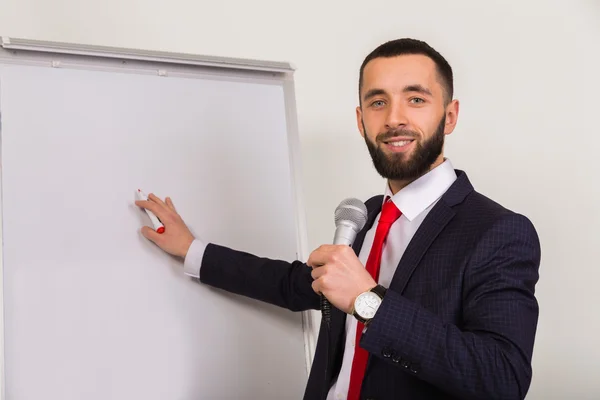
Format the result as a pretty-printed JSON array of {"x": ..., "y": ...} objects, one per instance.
[
  {"x": 359, "y": 121},
  {"x": 451, "y": 116}
]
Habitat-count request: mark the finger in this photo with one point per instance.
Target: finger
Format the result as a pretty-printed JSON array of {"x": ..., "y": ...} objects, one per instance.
[
  {"x": 319, "y": 257},
  {"x": 156, "y": 199},
  {"x": 319, "y": 272},
  {"x": 144, "y": 204},
  {"x": 159, "y": 211},
  {"x": 321, "y": 285},
  {"x": 314, "y": 257},
  {"x": 315, "y": 287},
  {"x": 150, "y": 234},
  {"x": 170, "y": 204}
]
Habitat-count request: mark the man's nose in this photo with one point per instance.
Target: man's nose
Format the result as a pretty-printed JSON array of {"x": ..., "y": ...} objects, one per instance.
[{"x": 396, "y": 117}]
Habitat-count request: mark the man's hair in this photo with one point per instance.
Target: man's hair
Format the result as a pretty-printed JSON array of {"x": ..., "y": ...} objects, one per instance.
[{"x": 404, "y": 46}]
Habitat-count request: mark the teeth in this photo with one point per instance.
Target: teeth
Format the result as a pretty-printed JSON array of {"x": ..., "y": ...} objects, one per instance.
[{"x": 400, "y": 143}]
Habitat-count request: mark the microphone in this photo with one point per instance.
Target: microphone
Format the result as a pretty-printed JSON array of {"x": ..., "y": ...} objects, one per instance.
[{"x": 350, "y": 218}]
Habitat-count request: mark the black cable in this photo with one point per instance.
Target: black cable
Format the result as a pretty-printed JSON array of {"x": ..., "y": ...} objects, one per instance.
[
  {"x": 326, "y": 310},
  {"x": 326, "y": 315}
]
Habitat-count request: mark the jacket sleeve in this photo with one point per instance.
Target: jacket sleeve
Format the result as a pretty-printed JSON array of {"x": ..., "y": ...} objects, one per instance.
[
  {"x": 489, "y": 355},
  {"x": 277, "y": 282}
]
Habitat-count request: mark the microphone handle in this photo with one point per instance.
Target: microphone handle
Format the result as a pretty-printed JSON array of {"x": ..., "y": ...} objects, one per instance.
[{"x": 345, "y": 233}]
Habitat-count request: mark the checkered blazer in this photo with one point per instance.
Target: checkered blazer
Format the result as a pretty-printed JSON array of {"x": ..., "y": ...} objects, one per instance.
[{"x": 458, "y": 320}]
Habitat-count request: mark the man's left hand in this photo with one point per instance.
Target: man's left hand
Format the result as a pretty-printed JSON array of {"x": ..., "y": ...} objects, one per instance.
[{"x": 339, "y": 275}]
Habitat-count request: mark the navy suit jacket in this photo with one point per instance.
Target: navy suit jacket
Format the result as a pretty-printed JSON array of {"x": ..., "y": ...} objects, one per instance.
[{"x": 457, "y": 322}]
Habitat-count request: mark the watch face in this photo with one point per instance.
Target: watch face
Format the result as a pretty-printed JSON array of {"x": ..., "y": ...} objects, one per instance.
[{"x": 366, "y": 304}]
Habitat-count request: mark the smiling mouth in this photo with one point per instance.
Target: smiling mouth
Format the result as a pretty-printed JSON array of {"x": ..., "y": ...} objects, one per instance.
[{"x": 399, "y": 143}]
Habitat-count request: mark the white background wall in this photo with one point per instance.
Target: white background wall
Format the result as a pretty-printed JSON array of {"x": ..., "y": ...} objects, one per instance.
[{"x": 527, "y": 74}]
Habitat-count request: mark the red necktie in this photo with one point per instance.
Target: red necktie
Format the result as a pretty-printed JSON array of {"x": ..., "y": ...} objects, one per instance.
[{"x": 389, "y": 214}]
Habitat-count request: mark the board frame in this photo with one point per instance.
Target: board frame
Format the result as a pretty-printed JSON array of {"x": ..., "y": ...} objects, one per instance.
[{"x": 52, "y": 54}]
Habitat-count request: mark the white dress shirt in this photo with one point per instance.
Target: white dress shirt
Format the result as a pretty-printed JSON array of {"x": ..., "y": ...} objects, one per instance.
[{"x": 414, "y": 201}]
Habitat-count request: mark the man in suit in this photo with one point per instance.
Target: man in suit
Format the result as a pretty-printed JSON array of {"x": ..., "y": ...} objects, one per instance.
[{"x": 435, "y": 300}]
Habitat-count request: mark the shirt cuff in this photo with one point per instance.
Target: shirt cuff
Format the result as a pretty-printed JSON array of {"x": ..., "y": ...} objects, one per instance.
[{"x": 193, "y": 258}]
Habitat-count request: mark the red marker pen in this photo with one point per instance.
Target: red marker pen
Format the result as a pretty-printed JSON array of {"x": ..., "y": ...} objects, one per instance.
[{"x": 158, "y": 226}]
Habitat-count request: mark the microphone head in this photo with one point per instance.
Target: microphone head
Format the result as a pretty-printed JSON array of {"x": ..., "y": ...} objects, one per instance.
[{"x": 351, "y": 210}]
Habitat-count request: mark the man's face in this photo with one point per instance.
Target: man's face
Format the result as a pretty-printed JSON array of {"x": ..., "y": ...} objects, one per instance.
[{"x": 403, "y": 117}]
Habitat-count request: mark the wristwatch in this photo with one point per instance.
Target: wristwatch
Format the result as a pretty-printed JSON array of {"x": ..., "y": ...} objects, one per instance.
[{"x": 366, "y": 304}]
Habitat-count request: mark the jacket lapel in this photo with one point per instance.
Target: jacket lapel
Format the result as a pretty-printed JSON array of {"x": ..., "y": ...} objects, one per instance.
[
  {"x": 439, "y": 216},
  {"x": 436, "y": 220}
]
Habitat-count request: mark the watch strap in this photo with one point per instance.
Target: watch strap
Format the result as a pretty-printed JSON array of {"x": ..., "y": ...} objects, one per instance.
[{"x": 379, "y": 290}]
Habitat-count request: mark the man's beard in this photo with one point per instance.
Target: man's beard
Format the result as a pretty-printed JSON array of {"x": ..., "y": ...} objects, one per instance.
[{"x": 398, "y": 166}]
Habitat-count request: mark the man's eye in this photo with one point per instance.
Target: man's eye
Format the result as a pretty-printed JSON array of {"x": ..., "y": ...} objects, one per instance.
[
  {"x": 417, "y": 100},
  {"x": 378, "y": 103}
]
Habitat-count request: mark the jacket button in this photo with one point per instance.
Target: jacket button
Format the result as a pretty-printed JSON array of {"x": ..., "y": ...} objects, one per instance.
[
  {"x": 387, "y": 352},
  {"x": 396, "y": 358},
  {"x": 405, "y": 364}
]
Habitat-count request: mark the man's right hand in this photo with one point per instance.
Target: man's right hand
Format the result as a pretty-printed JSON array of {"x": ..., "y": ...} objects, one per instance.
[{"x": 177, "y": 238}]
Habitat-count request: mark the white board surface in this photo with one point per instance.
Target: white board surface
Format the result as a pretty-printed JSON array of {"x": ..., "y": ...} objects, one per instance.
[{"x": 92, "y": 310}]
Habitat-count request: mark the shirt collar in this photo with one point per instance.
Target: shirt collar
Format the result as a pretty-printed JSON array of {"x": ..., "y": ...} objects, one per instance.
[{"x": 413, "y": 199}]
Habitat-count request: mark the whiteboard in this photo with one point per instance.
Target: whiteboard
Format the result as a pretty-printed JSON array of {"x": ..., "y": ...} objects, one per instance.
[{"x": 92, "y": 310}]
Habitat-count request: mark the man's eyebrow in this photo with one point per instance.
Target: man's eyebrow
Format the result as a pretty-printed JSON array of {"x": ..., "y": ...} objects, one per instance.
[
  {"x": 417, "y": 88},
  {"x": 372, "y": 93}
]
